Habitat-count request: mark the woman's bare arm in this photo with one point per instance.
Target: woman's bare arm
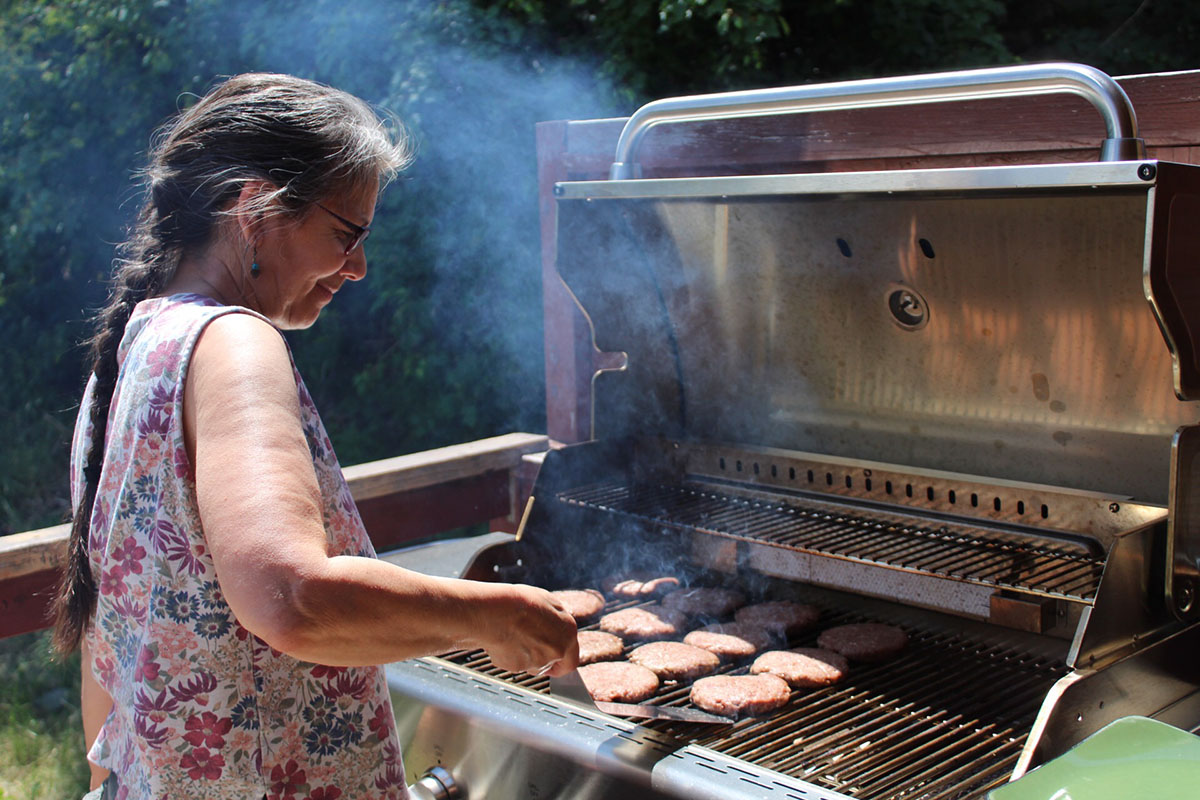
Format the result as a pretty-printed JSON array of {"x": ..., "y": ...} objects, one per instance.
[
  {"x": 95, "y": 704},
  {"x": 261, "y": 510}
]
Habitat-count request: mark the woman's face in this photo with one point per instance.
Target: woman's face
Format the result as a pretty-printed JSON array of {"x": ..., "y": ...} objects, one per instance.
[{"x": 304, "y": 263}]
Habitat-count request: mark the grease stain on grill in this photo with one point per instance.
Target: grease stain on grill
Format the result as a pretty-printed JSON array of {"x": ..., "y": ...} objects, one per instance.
[{"x": 1041, "y": 387}]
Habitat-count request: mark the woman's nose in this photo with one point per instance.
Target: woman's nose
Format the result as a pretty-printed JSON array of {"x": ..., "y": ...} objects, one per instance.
[{"x": 355, "y": 268}]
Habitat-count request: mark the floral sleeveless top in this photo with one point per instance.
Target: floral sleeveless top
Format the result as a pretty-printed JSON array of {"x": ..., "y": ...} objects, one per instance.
[{"x": 202, "y": 707}]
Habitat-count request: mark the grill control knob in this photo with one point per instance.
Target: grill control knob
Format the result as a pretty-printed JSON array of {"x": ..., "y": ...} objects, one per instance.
[{"x": 438, "y": 784}]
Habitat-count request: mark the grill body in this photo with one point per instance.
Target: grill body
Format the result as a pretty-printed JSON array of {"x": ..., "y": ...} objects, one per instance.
[{"x": 961, "y": 401}]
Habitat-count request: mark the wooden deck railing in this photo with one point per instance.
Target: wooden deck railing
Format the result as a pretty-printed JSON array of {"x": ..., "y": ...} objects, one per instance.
[{"x": 401, "y": 499}]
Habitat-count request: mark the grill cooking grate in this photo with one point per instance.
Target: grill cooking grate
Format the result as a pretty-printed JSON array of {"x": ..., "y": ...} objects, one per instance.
[
  {"x": 950, "y": 550},
  {"x": 945, "y": 720}
]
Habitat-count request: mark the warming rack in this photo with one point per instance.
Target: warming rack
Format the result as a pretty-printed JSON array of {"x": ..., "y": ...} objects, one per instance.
[{"x": 944, "y": 548}]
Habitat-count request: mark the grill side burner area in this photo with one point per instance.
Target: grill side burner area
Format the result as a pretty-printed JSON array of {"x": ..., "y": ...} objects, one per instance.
[{"x": 959, "y": 401}]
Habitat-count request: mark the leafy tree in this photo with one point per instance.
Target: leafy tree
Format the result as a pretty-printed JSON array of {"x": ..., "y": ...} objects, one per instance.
[{"x": 442, "y": 343}]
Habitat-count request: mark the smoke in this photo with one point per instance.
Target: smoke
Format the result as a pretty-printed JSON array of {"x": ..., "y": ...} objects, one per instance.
[
  {"x": 455, "y": 254},
  {"x": 442, "y": 342}
]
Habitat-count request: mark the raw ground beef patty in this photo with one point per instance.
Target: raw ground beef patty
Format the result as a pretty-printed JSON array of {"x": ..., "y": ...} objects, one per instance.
[
  {"x": 644, "y": 623},
  {"x": 864, "y": 641},
  {"x": 780, "y": 617},
  {"x": 730, "y": 640},
  {"x": 804, "y": 667},
  {"x": 739, "y": 695},
  {"x": 618, "y": 681},
  {"x": 599, "y": 646},
  {"x": 638, "y": 584},
  {"x": 705, "y": 601},
  {"x": 675, "y": 661},
  {"x": 580, "y": 603}
]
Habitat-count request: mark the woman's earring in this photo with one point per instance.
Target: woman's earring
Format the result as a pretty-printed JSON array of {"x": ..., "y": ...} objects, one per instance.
[{"x": 255, "y": 269}]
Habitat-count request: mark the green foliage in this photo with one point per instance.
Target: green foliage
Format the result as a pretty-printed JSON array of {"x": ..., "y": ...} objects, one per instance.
[
  {"x": 442, "y": 343},
  {"x": 41, "y": 733},
  {"x": 655, "y": 48}
]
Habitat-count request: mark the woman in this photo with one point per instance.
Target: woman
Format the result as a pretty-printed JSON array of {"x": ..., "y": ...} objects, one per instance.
[{"x": 220, "y": 582}]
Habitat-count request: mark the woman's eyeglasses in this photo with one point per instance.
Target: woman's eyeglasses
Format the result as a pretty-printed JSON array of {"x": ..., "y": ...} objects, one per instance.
[{"x": 360, "y": 232}]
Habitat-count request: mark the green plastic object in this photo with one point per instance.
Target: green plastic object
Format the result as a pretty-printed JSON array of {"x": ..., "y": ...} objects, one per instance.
[{"x": 1134, "y": 757}]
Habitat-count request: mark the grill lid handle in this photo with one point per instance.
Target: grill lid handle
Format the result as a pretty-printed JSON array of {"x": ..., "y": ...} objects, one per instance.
[{"x": 1120, "y": 122}]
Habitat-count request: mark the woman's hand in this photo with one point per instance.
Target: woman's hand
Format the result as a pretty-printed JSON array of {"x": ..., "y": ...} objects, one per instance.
[{"x": 525, "y": 629}]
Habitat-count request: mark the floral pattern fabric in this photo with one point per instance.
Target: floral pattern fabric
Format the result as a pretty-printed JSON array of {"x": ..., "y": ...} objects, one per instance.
[{"x": 202, "y": 707}]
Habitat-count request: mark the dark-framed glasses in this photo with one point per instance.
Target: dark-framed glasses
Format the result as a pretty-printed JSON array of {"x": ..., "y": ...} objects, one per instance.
[{"x": 360, "y": 232}]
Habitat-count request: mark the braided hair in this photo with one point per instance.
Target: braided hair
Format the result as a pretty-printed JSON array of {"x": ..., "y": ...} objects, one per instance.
[{"x": 306, "y": 140}]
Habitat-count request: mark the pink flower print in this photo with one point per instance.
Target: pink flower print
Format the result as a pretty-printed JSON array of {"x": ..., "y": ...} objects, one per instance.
[
  {"x": 147, "y": 667},
  {"x": 129, "y": 608},
  {"x": 178, "y": 667},
  {"x": 163, "y": 534},
  {"x": 105, "y": 671},
  {"x": 381, "y": 723},
  {"x": 287, "y": 780},
  {"x": 181, "y": 551},
  {"x": 154, "y": 736},
  {"x": 154, "y": 421},
  {"x": 207, "y": 729},
  {"x": 163, "y": 357},
  {"x": 391, "y": 751},
  {"x": 202, "y": 764},
  {"x": 130, "y": 554},
  {"x": 197, "y": 690},
  {"x": 325, "y": 793},
  {"x": 183, "y": 467},
  {"x": 156, "y": 708},
  {"x": 392, "y": 776},
  {"x": 241, "y": 740},
  {"x": 322, "y": 671},
  {"x": 112, "y": 581},
  {"x": 345, "y": 686}
]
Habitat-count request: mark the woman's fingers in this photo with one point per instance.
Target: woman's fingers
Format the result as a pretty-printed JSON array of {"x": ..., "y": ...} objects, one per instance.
[{"x": 539, "y": 638}]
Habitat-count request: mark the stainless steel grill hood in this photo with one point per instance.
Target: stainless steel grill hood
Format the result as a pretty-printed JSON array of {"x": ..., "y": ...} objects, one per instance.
[{"x": 987, "y": 321}]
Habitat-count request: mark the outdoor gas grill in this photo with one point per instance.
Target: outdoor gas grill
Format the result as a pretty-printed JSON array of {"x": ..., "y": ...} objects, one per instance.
[{"x": 961, "y": 401}]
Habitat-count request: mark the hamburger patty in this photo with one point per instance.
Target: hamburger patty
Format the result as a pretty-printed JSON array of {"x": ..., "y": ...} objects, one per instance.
[
  {"x": 618, "y": 681},
  {"x": 580, "y": 603},
  {"x": 675, "y": 661},
  {"x": 705, "y": 601},
  {"x": 643, "y": 623},
  {"x": 737, "y": 695},
  {"x": 638, "y": 584},
  {"x": 599, "y": 646},
  {"x": 781, "y": 617},
  {"x": 804, "y": 667},
  {"x": 730, "y": 640},
  {"x": 864, "y": 641}
]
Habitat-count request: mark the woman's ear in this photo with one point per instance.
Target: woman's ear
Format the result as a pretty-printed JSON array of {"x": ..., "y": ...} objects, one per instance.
[{"x": 252, "y": 206}]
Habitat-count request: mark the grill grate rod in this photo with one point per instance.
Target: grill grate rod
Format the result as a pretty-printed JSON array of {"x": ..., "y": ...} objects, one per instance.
[
  {"x": 952, "y": 550},
  {"x": 912, "y": 727}
]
